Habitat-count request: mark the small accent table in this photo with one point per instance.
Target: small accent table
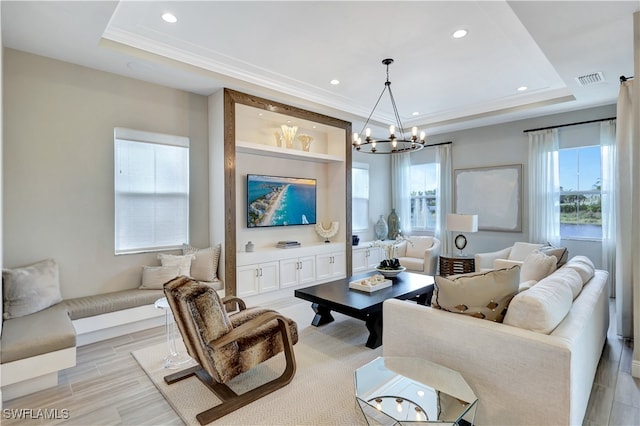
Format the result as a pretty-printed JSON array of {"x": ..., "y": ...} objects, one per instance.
[
  {"x": 451, "y": 265},
  {"x": 175, "y": 359},
  {"x": 403, "y": 390}
]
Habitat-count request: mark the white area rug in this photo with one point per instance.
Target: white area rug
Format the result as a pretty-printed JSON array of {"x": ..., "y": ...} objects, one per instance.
[{"x": 321, "y": 392}]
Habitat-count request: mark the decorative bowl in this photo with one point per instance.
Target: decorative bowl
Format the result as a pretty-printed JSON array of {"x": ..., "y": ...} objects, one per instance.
[{"x": 390, "y": 273}]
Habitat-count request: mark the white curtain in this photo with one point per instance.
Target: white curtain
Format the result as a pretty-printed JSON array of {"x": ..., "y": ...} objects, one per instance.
[
  {"x": 627, "y": 234},
  {"x": 544, "y": 187},
  {"x": 444, "y": 195},
  {"x": 608, "y": 200},
  {"x": 401, "y": 189}
]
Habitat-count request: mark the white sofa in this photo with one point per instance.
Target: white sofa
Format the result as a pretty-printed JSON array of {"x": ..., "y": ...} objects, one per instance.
[
  {"x": 520, "y": 376},
  {"x": 418, "y": 254}
]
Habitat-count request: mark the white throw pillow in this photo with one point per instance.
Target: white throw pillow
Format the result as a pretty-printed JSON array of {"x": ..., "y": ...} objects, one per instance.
[
  {"x": 537, "y": 266},
  {"x": 205, "y": 265},
  {"x": 182, "y": 262},
  {"x": 30, "y": 289},
  {"x": 416, "y": 246},
  {"x": 540, "y": 308},
  {"x": 154, "y": 277},
  {"x": 583, "y": 266},
  {"x": 521, "y": 250}
]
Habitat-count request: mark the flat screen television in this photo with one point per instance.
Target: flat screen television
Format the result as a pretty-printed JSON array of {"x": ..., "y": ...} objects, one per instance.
[{"x": 280, "y": 201}]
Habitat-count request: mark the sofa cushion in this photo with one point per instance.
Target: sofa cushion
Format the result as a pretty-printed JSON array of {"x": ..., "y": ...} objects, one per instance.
[
  {"x": 412, "y": 263},
  {"x": 88, "y": 306},
  {"x": 561, "y": 253},
  {"x": 31, "y": 288},
  {"x": 183, "y": 262},
  {"x": 521, "y": 250},
  {"x": 569, "y": 278},
  {"x": 540, "y": 308},
  {"x": 42, "y": 332},
  {"x": 154, "y": 277},
  {"x": 204, "y": 267},
  {"x": 537, "y": 266},
  {"x": 583, "y": 266},
  {"x": 484, "y": 295},
  {"x": 506, "y": 263},
  {"x": 416, "y": 246}
]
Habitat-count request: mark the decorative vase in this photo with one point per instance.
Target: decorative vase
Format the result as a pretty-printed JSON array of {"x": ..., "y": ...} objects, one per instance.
[
  {"x": 305, "y": 142},
  {"x": 394, "y": 224},
  {"x": 248, "y": 247},
  {"x": 278, "y": 139},
  {"x": 355, "y": 240},
  {"x": 289, "y": 134},
  {"x": 381, "y": 229}
]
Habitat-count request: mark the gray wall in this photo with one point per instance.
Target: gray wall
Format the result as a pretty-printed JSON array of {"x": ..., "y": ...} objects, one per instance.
[
  {"x": 58, "y": 166},
  {"x": 490, "y": 146}
]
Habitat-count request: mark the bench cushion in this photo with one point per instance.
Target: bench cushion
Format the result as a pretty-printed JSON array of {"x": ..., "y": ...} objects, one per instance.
[
  {"x": 46, "y": 331},
  {"x": 88, "y": 306}
]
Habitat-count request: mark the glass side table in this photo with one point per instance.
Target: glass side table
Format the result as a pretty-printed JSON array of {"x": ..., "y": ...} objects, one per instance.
[
  {"x": 402, "y": 390},
  {"x": 175, "y": 358}
]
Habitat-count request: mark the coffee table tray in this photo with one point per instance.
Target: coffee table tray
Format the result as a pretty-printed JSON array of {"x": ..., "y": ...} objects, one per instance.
[{"x": 369, "y": 288}]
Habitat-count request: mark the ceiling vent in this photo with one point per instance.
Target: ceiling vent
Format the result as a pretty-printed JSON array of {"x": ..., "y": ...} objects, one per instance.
[{"x": 590, "y": 79}]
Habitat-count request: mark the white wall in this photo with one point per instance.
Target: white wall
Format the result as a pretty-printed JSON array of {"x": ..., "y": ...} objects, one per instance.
[{"x": 58, "y": 166}]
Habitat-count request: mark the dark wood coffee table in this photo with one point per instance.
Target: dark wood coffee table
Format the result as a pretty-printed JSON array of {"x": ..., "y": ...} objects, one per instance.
[{"x": 337, "y": 296}]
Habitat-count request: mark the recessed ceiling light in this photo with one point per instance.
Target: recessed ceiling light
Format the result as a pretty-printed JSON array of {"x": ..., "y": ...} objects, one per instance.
[
  {"x": 414, "y": 113},
  {"x": 335, "y": 82},
  {"x": 460, "y": 33},
  {"x": 169, "y": 17},
  {"x": 522, "y": 88}
]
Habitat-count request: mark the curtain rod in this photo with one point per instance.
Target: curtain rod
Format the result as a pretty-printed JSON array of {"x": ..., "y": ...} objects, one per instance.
[
  {"x": 569, "y": 124},
  {"x": 623, "y": 78},
  {"x": 438, "y": 144}
]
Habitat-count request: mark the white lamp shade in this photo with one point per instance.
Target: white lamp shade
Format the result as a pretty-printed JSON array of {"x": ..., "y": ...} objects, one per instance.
[{"x": 462, "y": 222}]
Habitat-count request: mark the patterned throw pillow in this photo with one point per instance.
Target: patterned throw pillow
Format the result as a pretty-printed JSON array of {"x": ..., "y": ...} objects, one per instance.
[
  {"x": 205, "y": 265},
  {"x": 484, "y": 295},
  {"x": 30, "y": 289}
]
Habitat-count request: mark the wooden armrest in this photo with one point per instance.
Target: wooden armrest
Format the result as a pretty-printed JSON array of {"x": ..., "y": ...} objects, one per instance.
[
  {"x": 234, "y": 299},
  {"x": 250, "y": 326}
]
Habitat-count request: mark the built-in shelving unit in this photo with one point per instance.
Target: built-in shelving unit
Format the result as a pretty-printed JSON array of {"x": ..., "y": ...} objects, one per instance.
[{"x": 250, "y": 124}]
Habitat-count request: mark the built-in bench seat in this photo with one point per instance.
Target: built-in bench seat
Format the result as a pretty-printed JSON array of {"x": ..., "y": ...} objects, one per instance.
[{"x": 33, "y": 348}]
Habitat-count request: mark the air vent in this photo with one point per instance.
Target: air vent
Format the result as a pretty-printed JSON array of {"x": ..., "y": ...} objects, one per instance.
[{"x": 589, "y": 79}]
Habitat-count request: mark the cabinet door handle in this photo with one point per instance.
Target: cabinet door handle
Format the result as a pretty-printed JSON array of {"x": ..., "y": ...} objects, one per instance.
[
  {"x": 257, "y": 272},
  {"x": 260, "y": 271},
  {"x": 300, "y": 263}
]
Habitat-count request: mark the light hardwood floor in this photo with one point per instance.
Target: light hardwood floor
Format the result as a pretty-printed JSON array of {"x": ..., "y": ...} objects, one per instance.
[{"x": 107, "y": 387}]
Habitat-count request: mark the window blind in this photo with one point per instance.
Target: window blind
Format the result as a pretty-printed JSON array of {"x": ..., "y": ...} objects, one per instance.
[{"x": 151, "y": 191}]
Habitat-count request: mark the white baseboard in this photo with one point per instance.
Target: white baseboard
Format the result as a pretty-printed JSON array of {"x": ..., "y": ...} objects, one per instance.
[
  {"x": 635, "y": 369},
  {"x": 107, "y": 326},
  {"x": 26, "y": 387}
]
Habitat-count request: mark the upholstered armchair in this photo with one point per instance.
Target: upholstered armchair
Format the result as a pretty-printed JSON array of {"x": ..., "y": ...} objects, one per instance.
[
  {"x": 418, "y": 254},
  {"x": 227, "y": 344},
  {"x": 505, "y": 258}
]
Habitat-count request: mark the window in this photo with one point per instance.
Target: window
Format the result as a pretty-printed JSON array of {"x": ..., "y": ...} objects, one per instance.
[
  {"x": 360, "y": 196},
  {"x": 151, "y": 191},
  {"x": 580, "y": 197},
  {"x": 423, "y": 196}
]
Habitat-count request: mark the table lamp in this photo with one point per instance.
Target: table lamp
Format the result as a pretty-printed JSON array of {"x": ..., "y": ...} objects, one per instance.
[{"x": 462, "y": 223}]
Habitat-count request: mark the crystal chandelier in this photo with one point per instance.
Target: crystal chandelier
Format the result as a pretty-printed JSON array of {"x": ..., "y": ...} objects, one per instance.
[{"x": 396, "y": 142}]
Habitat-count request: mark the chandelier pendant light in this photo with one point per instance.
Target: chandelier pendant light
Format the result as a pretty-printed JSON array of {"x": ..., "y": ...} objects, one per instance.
[{"x": 396, "y": 142}]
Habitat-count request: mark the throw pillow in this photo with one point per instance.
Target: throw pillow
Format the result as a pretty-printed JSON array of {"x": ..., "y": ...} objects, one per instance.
[
  {"x": 205, "y": 265},
  {"x": 182, "y": 262},
  {"x": 154, "y": 277},
  {"x": 521, "y": 250},
  {"x": 31, "y": 288},
  {"x": 484, "y": 295},
  {"x": 537, "y": 266},
  {"x": 583, "y": 266},
  {"x": 416, "y": 246},
  {"x": 561, "y": 253}
]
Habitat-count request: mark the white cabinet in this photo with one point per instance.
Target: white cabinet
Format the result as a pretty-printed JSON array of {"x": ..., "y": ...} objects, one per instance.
[
  {"x": 295, "y": 271},
  {"x": 366, "y": 258},
  {"x": 257, "y": 278},
  {"x": 330, "y": 265}
]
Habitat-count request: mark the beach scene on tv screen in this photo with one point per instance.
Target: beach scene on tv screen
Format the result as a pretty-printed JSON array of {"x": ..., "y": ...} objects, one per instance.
[{"x": 280, "y": 201}]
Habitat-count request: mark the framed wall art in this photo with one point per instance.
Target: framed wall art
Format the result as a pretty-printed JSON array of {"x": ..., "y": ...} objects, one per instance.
[{"x": 493, "y": 193}]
